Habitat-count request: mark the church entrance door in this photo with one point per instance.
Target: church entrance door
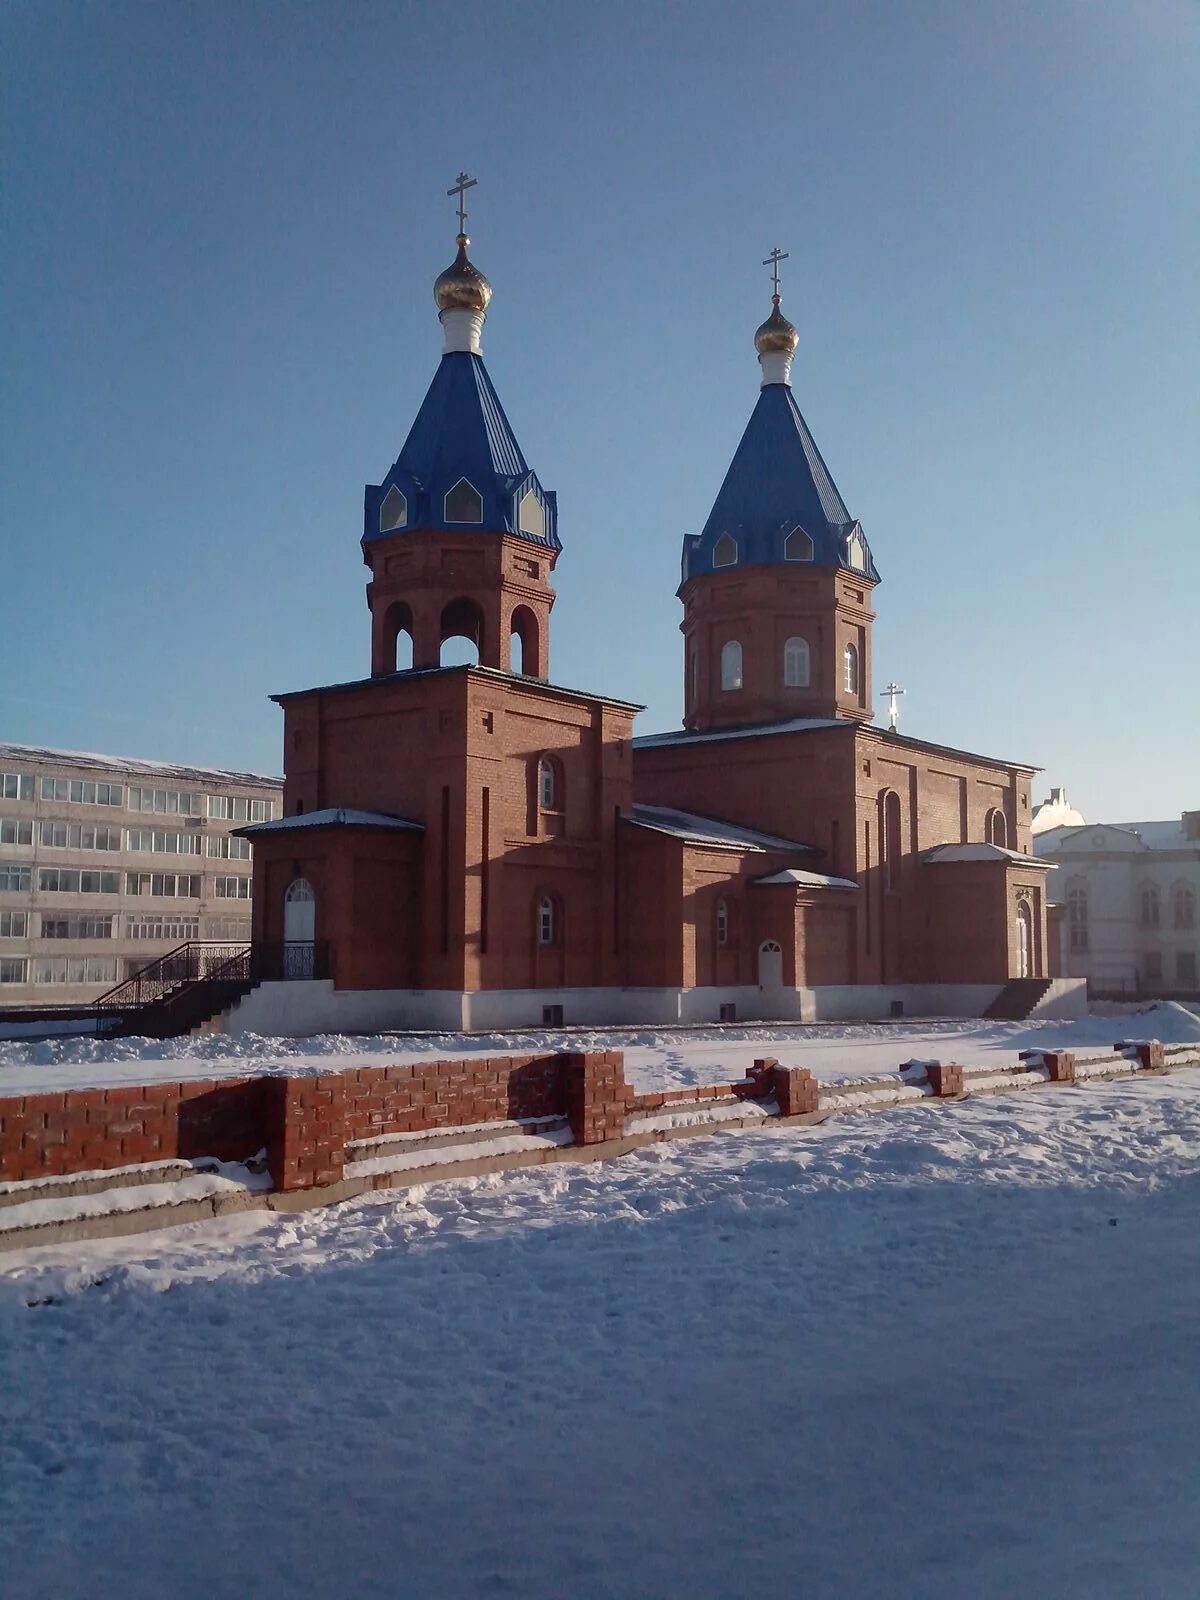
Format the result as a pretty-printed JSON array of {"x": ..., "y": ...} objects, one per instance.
[
  {"x": 299, "y": 929},
  {"x": 1024, "y": 941},
  {"x": 770, "y": 965}
]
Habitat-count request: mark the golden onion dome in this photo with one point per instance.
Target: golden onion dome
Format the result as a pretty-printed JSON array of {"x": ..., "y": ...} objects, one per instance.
[
  {"x": 777, "y": 335},
  {"x": 462, "y": 287}
]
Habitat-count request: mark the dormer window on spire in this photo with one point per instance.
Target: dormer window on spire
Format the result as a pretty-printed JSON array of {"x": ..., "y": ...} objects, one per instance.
[
  {"x": 464, "y": 503},
  {"x": 531, "y": 515},
  {"x": 856, "y": 551},
  {"x": 798, "y": 546},
  {"x": 393, "y": 513},
  {"x": 725, "y": 552}
]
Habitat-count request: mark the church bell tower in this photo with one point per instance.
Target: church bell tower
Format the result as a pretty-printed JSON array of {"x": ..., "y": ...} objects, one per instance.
[
  {"x": 461, "y": 537},
  {"x": 777, "y": 587}
]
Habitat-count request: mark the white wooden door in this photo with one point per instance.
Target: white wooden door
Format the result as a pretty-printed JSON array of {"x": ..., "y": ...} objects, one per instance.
[{"x": 770, "y": 965}]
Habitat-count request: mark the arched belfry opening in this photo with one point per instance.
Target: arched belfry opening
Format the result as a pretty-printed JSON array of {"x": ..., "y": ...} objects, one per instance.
[
  {"x": 525, "y": 644},
  {"x": 461, "y": 633},
  {"x": 397, "y": 638}
]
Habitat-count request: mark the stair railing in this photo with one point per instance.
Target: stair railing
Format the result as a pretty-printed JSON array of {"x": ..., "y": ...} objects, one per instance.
[{"x": 186, "y": 964}]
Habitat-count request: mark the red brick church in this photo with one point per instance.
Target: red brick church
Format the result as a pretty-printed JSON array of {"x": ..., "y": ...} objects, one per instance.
[{"x": 479, "y": 846}]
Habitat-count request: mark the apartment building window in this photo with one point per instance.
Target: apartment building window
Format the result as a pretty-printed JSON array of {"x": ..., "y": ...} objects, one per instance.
[
  {"x": 232, "y": 888},
  {"x": 173, "y": 802},
  {"x": 1185, "y": 969},
  {"x": 14, "y": 969},
  {"x": 78, "y": 836},
  {"x": 16, "y": 786},
  {"x": 171, "y": 844},
  {"x": 171, "y": 885},
  {"x": 77, "y": 927},
  {"x": 224, "y": 847},
  {"x": 13, "y": 832},
  {"x": 236, "y": 808},
  {"x": 176, "y": 929},
  {"x": 227, "y": 928},
  {"x": 75, "y": 969},
  {"x": 15, "y": 879},
  {"x": 71, "y": 880},
  {"x": 14, "y": 924},
  {"x": 83, "y": 792}
]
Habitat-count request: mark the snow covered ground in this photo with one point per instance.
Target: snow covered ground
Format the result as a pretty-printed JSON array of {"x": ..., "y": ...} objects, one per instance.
[
  {"x": 943, "y": 1352},
  {"x": 655, "y": 1059}
]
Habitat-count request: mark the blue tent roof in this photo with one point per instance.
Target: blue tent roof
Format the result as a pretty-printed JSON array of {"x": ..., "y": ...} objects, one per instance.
[
  {"x": 777, "y": 482},
  {"x": 459, "y": 432}
]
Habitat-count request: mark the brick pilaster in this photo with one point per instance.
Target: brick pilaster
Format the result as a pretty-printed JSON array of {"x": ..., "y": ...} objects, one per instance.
[
  {"x": 796, "y": 1090},
  {"x": 945, "y": 1078},
  {"x": 595, "y": 1095},
  {"x": 306, "y": 1131}
]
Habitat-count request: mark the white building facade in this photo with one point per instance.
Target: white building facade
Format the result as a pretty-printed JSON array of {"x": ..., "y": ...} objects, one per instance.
[
  {"x": 1128, "y": 906},
  {"x": 107, "y": 863}
]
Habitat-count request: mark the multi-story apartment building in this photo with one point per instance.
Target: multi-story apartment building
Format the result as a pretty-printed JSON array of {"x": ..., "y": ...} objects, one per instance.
[{"x": 106, "y": 863}]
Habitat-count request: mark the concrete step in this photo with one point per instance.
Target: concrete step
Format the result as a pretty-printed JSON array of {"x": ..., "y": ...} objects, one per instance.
[{"x": 402, "y": 1145}]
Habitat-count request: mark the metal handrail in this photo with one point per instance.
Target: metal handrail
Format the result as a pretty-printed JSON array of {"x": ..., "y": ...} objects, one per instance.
[{"x": 186, "y": 964}]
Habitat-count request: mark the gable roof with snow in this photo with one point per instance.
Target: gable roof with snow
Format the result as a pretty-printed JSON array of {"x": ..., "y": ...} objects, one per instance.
[
  {"x": 800, "y": 879},
  {"x": 331, "y": 817},
  {"x": 942, "y": 853},
  {"x": 711, "y": 831}
]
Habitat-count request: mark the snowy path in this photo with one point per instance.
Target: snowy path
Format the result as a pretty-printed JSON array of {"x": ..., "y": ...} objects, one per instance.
[{"x": 942, "y": 1353}]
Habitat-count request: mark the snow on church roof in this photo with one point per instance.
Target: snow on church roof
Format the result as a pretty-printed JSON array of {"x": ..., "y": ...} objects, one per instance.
[
  {"x": 331, "y": 817},
  {"x": 808, "y": 880},
  {"x": 759, "y": 730},
  {"x": 695, "y": 829},
  {"x": 982, "y": 852}
]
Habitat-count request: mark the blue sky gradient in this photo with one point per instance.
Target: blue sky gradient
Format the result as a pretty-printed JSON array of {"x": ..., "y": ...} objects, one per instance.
[{"x": 222, "y": 223}]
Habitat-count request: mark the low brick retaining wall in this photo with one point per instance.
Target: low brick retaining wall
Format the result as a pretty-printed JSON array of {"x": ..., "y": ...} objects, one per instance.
[{"x": 305, "y": 1123}]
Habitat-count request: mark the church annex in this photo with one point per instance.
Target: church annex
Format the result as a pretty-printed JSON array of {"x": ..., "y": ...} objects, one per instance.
[{"x": 479, "y": 846}]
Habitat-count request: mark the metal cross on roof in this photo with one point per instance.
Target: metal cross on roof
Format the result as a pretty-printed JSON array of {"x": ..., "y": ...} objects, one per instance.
[
  {"x": 893, "y": 690},
  {"x": 777, "y": 255},
  {"x": 462, "y": 184}
]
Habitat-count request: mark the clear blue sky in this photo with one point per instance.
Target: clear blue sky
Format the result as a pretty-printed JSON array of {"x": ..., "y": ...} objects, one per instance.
[{"x": 221, "y": 227}]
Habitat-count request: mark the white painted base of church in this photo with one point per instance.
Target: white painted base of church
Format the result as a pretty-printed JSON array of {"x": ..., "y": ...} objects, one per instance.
[{"x": 299, "y": 1009}]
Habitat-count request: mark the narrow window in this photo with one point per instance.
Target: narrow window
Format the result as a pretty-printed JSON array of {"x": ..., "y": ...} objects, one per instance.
[
  {"x": 725, "y": 552},
  {"x": 545, "y": 925},
  {"x": 1185, "y": 907},
  {"x": 393, "y": 513},
  {"x": 722, "y": 922},
  {"x": 464, "y": 503},
  {"x": 1077, "y": 917},
  {"x": 997, "y": 828},
  {"x": 796, "y": 664},
  {"x": 856, "y": 551},
  {"x": 891, "y": 837},
  {"x": 731, "y": 665},
  {"x": 850, "y": 669},
  {"x": 1151, "y": 912},
  {"x": 798, "y": 546},
  {"x": 546, "y": 785}
]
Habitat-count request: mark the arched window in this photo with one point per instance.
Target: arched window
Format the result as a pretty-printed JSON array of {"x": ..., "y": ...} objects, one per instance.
[
  {"x": 547, "y": 920},
  {"x": 393, "y": 513},
  {"x": 796, "y": 664},
  {"x": 850, "y": 669},
  {"x": 548, "y": 796},
  {"x": 299, "y": 929},
  {"x": 1077, "y": 916},
  {"x": 1183, "y": 903},
  {"x": 731, "y": 665},
  {"x": 725, "y": 552},
  {"x": 997, "y": 828},
  {"x": 464, "y": 503},
  {"x": 798, "y": 546},
  {"x": 531, "y": 515},
  {"x": 1151, "y": 911},
  {"x": 891, "y": 836},
  {"x": 722, "y": 922}
]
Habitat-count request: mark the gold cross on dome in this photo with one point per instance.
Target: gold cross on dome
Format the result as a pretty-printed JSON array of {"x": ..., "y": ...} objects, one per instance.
[
  {"x": 461, "y": 185},
  {"x": 777, "y": 255}
]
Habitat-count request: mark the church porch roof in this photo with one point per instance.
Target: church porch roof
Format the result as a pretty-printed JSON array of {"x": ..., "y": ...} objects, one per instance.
[{"x": 711, "y": 831}]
